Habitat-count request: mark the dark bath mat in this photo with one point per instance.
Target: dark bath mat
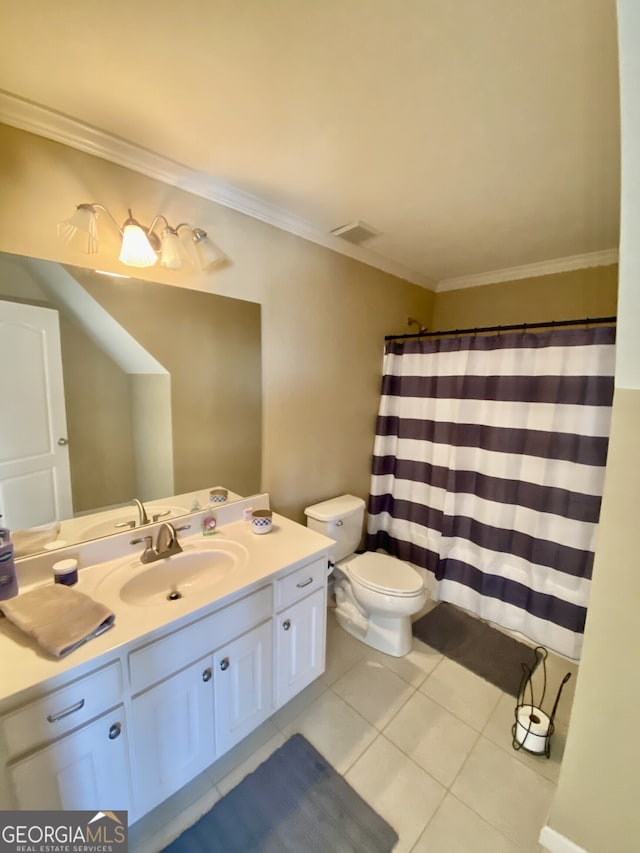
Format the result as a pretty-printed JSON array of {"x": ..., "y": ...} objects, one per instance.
[
  {"x": 293, "y": 803},
  {"x": 475, "y": 645}
]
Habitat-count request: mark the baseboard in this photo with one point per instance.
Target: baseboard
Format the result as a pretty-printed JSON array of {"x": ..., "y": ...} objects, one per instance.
[{"x": 552, "y": 841}]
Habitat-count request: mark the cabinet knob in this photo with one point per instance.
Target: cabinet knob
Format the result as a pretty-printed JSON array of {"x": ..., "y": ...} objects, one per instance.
[
  {"x": 224, "y": 664},
  {"x": 286, "y": 624},
  {"x": 115, "y": 730},
  {"x": 206, "y": 675}
]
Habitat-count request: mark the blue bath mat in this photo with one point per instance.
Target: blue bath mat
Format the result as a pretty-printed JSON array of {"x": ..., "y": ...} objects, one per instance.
[
  {"x": 477, "y": 646},
  {"x": 293, "y": 803}
]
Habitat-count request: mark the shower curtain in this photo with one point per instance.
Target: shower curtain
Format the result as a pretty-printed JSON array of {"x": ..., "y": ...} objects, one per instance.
[{"x": 488, "y": 469}]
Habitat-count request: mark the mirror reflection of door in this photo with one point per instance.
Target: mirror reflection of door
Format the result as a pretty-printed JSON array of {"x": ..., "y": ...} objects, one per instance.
[{"x": 35, "y": 483}]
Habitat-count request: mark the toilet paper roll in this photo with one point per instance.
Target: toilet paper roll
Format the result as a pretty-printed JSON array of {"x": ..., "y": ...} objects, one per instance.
[{"x": 533, "y": 727}]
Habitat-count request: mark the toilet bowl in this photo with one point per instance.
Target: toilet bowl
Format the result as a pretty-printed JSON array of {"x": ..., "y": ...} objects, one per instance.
[{"x": 376, "y": 595}]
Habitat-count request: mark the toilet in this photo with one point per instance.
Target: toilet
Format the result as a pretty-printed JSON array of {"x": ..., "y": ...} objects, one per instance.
[{"x": 376, "y": 595}]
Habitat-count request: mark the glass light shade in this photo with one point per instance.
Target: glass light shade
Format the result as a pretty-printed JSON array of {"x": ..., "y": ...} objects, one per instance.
[
  {"x": 84, "y": 220},
  {"x": 208, "y": 253},
  {"x": 136, "y": 249},
  {"x": 170, "y": 250}
]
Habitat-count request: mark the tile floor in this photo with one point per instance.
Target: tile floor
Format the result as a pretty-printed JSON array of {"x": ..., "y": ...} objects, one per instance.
[{"x": 423, "y": 740}]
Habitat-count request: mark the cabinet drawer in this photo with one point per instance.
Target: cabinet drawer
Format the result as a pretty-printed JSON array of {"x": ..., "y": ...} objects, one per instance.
[
  {"x": 58, "y": 712},
  {"x": 163, "y": 657},
  {"x": 301, "y": 582}
]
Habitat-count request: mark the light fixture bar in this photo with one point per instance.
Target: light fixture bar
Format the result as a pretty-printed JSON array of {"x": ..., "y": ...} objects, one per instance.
[{"x": 142, "y": 246}]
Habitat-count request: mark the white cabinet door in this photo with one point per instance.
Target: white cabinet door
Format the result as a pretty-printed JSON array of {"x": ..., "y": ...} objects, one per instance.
[
  {"x": 88, "y": 769},
  {"x": 300, "y": 645},
  {"x": 243, "y": 686},
  {"x": 35, "y": 482},
  {"x": 172, "y": 733}
]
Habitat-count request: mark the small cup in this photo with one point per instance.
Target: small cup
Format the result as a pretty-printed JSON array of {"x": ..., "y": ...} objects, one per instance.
[
  {"x": 261, "y": 521},
  {"x": 218, "y": 496},
  {"x": 66, "y": 572}
]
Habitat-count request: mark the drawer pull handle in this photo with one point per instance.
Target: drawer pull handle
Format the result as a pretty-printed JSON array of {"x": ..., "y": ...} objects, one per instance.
[
  {"x": 224, "y": 664},
  {"x": 304, "y": 583},
  {"x": 206, "y": 675},
  {"x": 286, "y": 624},
  {"x": 53, "y": 718},
  {"x": 115, "y": 730}
]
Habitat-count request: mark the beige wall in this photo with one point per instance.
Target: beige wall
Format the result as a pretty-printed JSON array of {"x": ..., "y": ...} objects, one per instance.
[
  {"x": 98, "y": 406},
  {"x": 211, "y": 351},
  {"x": 596, "y": 803},
  {"x": 324, "y": 316},
  {"x": 562, "y": 296}
]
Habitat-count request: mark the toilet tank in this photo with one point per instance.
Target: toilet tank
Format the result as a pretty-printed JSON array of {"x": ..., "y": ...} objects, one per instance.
[{"x": 341, "y": 519}]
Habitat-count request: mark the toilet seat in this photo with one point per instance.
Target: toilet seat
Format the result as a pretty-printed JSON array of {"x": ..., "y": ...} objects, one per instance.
[{"x": 388, "y": 575}]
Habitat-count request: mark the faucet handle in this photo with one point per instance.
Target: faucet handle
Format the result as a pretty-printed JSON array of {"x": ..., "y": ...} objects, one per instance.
[
  {"x": 182, "y": 527},
  {"x": 158, "y": 515},
  {"x": 130, "y": 524},
  {"x": 149, "y": 554}
]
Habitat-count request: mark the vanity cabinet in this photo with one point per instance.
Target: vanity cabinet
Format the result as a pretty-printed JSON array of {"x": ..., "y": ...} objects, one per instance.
[{"x": 164, "y": 706}]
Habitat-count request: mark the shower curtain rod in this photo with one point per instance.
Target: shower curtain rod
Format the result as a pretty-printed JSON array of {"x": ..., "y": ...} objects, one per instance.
[{"x": 519, "y": 327}]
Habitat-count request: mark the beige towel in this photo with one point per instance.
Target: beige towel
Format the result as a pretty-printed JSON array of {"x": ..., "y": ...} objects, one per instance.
[{"x": 59, "y": 617}]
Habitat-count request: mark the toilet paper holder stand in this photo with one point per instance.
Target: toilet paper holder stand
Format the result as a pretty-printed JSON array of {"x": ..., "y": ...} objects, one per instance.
[{"x": 532, "y": 729}]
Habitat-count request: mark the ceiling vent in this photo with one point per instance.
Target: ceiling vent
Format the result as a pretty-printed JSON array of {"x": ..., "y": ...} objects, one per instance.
[{"x": 355, "y": 232}]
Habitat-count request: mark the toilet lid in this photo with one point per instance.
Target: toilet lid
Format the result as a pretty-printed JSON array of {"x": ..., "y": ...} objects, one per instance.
[{"x": 382, "y": 573}]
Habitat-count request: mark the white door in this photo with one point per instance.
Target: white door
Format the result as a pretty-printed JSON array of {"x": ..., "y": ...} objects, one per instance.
[
  {"x": 243, "y": 686},
  {"x": 88, "y": 769},
  {"x": 172, "y": 734},
  {"x": 300, "y": 645},
  {"x": 35, "y": 483}
]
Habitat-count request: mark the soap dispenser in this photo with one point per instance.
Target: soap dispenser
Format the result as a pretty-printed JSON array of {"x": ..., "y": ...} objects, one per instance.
[{"x": 8, "y": 580}]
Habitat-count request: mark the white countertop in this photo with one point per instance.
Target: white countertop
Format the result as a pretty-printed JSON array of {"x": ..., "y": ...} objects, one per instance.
[{"x": 24, "y": 665}]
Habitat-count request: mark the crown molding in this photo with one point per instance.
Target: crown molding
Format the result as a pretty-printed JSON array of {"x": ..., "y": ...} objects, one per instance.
[
  {"x": 58, "y": 127},
  {"x": 573, "y": 262}
]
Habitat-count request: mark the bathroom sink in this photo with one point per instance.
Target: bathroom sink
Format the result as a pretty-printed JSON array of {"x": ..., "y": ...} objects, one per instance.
[
  {"x": 192, "y": 574},
  {"x": 93, "y": 529}
]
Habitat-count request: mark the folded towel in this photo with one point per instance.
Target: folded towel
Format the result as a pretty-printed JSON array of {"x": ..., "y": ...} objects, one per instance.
[
  {"x": 34, "y": 539},
  {"x": 58, "y": 617}
]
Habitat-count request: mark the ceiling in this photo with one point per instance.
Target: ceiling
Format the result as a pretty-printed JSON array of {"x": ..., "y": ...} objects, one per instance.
[{"x": 475, "y": 135}]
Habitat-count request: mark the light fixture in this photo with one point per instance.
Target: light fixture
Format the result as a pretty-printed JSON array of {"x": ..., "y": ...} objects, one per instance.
[{"x": 142, "y": 246}]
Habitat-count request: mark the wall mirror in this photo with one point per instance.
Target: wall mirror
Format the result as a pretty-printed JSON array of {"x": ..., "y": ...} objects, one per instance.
[{"x": 116, "y": 389}]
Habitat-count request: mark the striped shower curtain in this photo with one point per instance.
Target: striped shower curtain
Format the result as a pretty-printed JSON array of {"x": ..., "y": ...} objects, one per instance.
[{"x": 488, "y": 470}]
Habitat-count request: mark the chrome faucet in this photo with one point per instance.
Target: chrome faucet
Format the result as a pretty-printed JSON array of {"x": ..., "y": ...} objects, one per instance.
[
  {"x": 166, "y": 543},
  {"x": 142, "y": 513}
]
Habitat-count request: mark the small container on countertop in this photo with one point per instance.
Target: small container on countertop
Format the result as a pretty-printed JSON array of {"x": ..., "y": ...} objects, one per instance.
[
  {"x": 218, "y": 496},
  {"x": 261, "y": 521},
  {"x": 209, "y": 525},
  {"x": 66, "y": 572}
]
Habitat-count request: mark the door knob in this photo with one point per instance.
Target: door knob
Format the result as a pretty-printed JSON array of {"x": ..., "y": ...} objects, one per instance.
[
  {"x": 206, "y": 675},
  {"x": 286, "y": 624},
  {"x": 63, "y": 442},
  {"x": 224, "y": 664},
  {"x": 115, "y": 730}
]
